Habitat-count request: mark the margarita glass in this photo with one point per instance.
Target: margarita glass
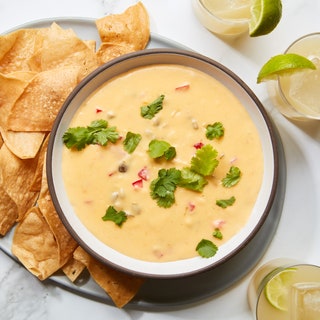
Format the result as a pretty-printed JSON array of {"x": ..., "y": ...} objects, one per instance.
[
  {"x": 294, "y": 295},
  {"x": 297, "y": 95},
  {"x": 224, "y": 17}
]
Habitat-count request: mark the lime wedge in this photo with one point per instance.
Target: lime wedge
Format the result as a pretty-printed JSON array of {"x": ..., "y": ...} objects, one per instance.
[
  {"x": 265, "y": 16},
  {"x": 283, "y": 64},
  {"x": 277, "y": 289}
]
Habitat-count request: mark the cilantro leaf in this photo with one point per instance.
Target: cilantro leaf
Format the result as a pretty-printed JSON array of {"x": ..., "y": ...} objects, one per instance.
[
  {"x": 118, "y": 217},
  {"x": 150, "y": 110},
  {"x": 105, "y": 135},
  {"x": 160, "y": 148},
  {"x": 232, "y": 177},
  {"x": 192, "y": 180},
  {"x": 217, "y": 234},
  {"x": 224, "y": 203},
  {"x": 97, "y": 132},
  {"x": 163, "y": 187},
  {"x": 204, "y": 162},
  {"x": 206, "y": 248},
  {"x": 215, "y": 131},
  {"x": 131, "y": 141},
  {"x": 98, "y": 124},
  {"x": 75, "y": 138}
]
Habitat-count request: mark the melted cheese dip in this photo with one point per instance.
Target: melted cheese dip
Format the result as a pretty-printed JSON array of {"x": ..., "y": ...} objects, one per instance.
[{"x": 192, "y": 101}]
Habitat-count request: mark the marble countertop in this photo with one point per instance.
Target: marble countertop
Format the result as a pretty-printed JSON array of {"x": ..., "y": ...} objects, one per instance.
[{"x": 24, "y": 297}]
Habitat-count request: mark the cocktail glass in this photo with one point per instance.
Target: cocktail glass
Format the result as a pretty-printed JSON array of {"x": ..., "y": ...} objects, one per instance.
[
  {"x": 299, "y": 300},
  {"x": 223, "y": 17},
  {"x": 297, "y": 95}
]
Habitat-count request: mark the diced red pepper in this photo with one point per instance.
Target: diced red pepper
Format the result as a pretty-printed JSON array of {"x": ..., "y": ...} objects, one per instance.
[
  {"x": 143, "y": 174},
  {"x": 138, "y": 183},
  {"x": 198, "y": 145},
  {"x": 98, "y": 110},
  {"x": 234, "y": 159},
  {"x": 218, "y": 223},
  {"x": 191, "y": 206},
  {"x": 183, "y": 87}
]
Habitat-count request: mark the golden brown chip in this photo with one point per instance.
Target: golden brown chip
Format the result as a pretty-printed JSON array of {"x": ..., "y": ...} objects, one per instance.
[
  {"x": 121, "y": 287},
  {"x": 91, "y": 44},
  {"x": 11, "y": 87},
  {"x": 35, "y": 246},
  {"x": 63, "y": 48},
  {"x": 73, "y": 268},
  {"x": 130, "y": 28},
  {"x": 17, "y": 176},
  {"x": 8, "y": 212},
  {"x": 66, "y": 244},
  {"x": 16, "y": 49},
  {"x": 37, "y": 177},
  {"x": 40, "y": 102},
  {"x": 25, "y": 145},
  {"x": 109, "y": 51}
]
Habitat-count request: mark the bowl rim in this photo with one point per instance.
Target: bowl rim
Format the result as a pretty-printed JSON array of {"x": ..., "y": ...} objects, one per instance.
[{"x": 150, "y": 52}]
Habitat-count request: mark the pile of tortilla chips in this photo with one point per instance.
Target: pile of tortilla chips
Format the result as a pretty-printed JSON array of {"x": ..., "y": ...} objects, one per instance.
[{"x": 38, "y": 70}]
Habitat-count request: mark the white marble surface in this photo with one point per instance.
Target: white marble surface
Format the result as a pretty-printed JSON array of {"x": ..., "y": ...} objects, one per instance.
[{"x": 24, "y": 297}]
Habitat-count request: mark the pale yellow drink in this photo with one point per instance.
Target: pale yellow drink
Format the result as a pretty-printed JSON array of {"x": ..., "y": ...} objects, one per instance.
[
  {"x": 297, "y": 95},
  {"x": 223, "y": 17},
  {"x": 302, "y": 294}
]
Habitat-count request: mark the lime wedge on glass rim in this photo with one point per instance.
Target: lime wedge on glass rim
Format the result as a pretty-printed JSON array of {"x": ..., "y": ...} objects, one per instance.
[
  {"x": 277, "y": 289},
  {"x": 265, "y": 16},
  {"x": 283, "y": 64}
]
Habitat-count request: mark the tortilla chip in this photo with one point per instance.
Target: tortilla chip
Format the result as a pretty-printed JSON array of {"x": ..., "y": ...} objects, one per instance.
[
  {"x": 35, "y": 246},
  {"x": 8, "y": 212},
  {"x": 16, "y": 49},
  {"x": 91, "y": 44},
  {"x": 73, "y": 268},
  {"x": 40, "y": 102},
  {"x": 63, "y": 48},
  {"x": 17, "y": 176},
  {"x": 121, "y": 287},
  {"x": 11, "y": 87},
  {"x": 109, "y": 51},
  {"x": 25, "y": 145},
  {"x": 66, "y": 244},
  {"x": 129, "y": 29},
  {"x": 37, "y": 177}
]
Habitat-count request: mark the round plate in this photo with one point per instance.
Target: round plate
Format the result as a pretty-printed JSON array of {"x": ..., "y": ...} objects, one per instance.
[{"x": 161, "y": 292}]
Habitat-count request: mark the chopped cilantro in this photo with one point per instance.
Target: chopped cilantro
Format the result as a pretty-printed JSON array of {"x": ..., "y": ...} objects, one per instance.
[
  {"x": 215, "y": 131},
  {"x": 97, "y": 132},
  {"x": 150, "y": 110},
  {"x": 118, "y": 217},
  {"x": 131, "y": 141},
  {"x": 217, "y": 234},
  {"x": 224, "y": 203},
  {"x": 206, "y": 248},
  {"x": 163, "y": 187},
  {"x": 204, "y": 162},
  {"x": 232, "y": 177},
  {"x": 160, "y": 148},
  {"x": 192, "y": 180}
]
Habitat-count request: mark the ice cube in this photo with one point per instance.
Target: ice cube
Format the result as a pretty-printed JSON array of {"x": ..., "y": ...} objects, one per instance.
[{"x": 305, "y": 301}]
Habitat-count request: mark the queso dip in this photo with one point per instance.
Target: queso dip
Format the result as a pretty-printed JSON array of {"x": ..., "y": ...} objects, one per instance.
[{"x": 98, "y": 177}]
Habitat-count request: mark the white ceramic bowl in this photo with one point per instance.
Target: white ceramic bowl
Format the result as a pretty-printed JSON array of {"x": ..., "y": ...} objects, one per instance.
[{"x": 163, "y": 269}]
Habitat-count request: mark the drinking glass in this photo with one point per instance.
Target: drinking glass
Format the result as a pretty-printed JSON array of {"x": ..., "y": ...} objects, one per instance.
[
  {"x": 297, "y": 95},
  {"x": 300, "y": 299},
  {"x": 223, "y": 17}
]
